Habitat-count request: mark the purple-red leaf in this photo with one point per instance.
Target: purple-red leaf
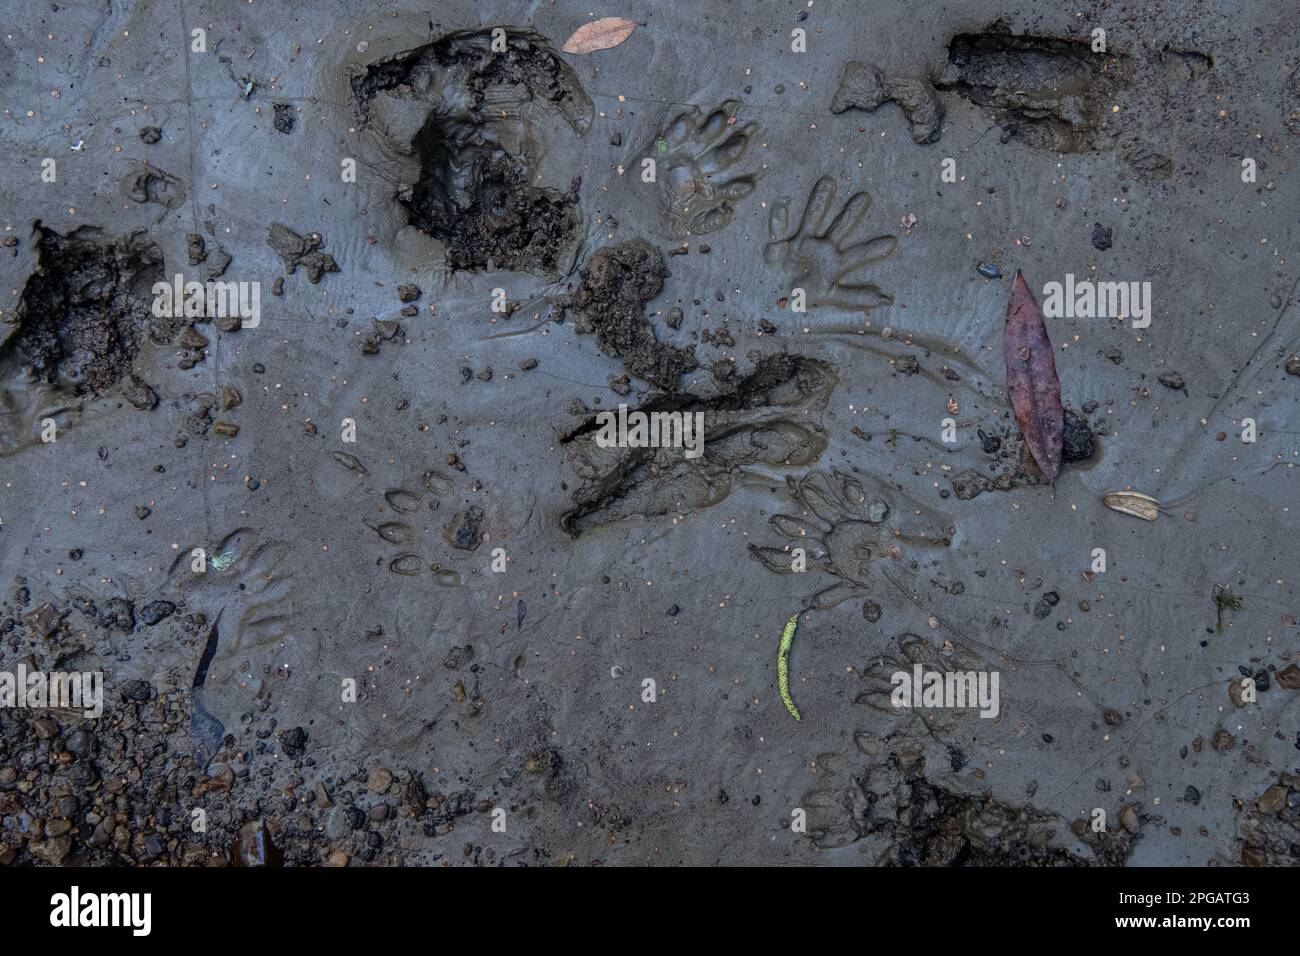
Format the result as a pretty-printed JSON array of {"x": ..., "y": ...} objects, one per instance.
[{"x": 1031, "y": 379}]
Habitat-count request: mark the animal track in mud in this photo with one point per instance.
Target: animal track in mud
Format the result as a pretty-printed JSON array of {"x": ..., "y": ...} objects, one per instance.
[
  {"x": 149, "y": 184},
  {"x": 829, "y": 257},
  {"x": 252, "y": 637},
  {"x": 616, "y": 284},
  {"x": 850, "y": 531},
  {"x": 475, "y": 145},
  {"x": 756, "y": 423},
  {"x": 84, "y": 310},
  {"x": 1051, "y": 93},
  {"x": 402, "y": 526},
  {"x": 698, "y": 156},
  {"x": 916, "y": 821}
]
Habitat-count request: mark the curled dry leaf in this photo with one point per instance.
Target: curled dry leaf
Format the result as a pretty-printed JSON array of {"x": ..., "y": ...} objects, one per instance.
[
  {"x": 1133, "y": 503},
  {"x": 1031, "y": 379},
  {"x": 599, "y": 35}
]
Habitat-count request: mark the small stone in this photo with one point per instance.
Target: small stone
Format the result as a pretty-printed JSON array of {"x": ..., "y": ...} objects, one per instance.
[
  {"x": 337, "y": 825},
  {"x": 379, "y": 780},
  {"x": 528, "y": 364},
  {"x": 408, "y": 293},
  {"x": 1172, "y": 380},
  {"x": 141, "y": 395},
  {"x": 150, "y": 134},
  {"x": 226, "y": 429},
  {"x": 1289, "y": 677},
  {"x": 192, "y": 338},
  {"x": 1272, "y": 800},
  {"x": 1236, "y": 692},
  {"x": 871, "y": 611}
]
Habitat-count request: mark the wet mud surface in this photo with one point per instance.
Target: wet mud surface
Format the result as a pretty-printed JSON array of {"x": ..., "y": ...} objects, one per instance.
[{"x": 365, "y": 588}]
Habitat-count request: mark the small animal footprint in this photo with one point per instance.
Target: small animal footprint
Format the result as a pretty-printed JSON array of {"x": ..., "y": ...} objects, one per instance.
[
  {"x": 847, "y": 531},
  {"x": 829, "y": 261},
  {"x": 696, "y": 155}
]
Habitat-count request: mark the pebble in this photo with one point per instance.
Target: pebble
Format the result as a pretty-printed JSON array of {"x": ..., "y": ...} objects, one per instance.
[{"x": 379, "y": 780}]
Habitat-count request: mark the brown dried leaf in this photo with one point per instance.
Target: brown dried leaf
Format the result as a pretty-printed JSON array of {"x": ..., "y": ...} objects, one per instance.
[
  {"x": 1031, "y": 379},
  {"x": 1133, "y": 503},
  {"x": 599, "y": 35}
]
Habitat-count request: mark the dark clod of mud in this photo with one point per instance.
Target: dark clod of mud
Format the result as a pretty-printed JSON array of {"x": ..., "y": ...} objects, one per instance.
[
  {"x": 501, "y": 221},
  {"x": 466, "y": 529},
  {"x": 284, "y": 118},
  {"x": 303, "y": 251},
  {"x": 865, "y": 87},
  {"x": 1078, "y": 443},
  {"x": 86, "y": 308},
  {"x": 610, "y": 301}
]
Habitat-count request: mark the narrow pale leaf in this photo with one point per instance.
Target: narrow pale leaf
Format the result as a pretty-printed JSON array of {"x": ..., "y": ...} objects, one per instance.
[
  {"x": 1031, "y": 379},
  {"x": 1133, "y": 503},
  {"x": 599, "y": 35}
]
